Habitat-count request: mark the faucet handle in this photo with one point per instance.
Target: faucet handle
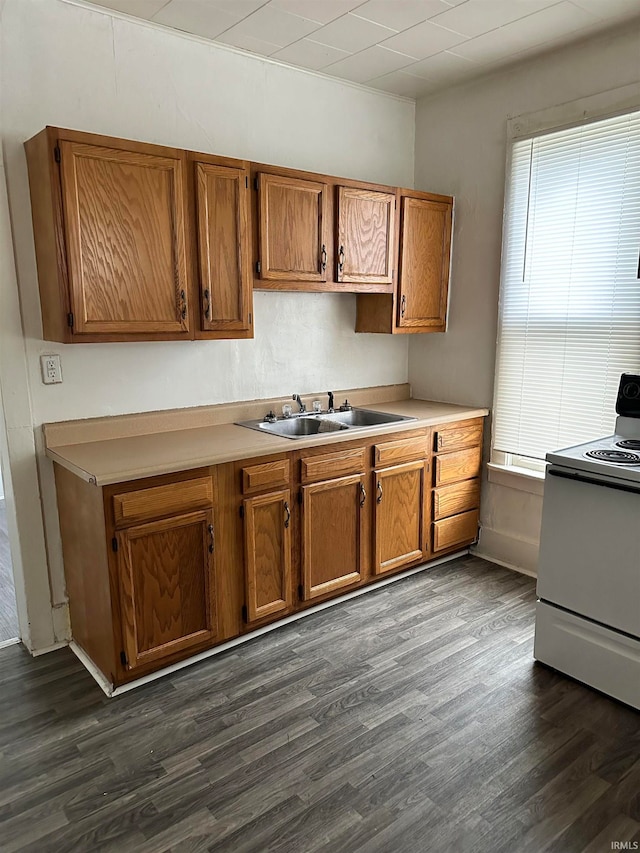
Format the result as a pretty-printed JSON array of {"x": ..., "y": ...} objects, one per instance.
[
  {"x": 346, "y": 406},
  {"x": 330, "y": 395}
]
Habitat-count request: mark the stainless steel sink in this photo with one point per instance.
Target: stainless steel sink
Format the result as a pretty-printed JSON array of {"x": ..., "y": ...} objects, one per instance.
[{"x": 306, "y": 424}]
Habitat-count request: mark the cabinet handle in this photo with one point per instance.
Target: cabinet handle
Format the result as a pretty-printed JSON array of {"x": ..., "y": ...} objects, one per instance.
[
  {"x": 212, "y": 540},
  {"x": 287, "y": 516},
  {"x": 403, "y": 305},
  {"x": 363, "y": 494},
  {"x": 323, "y": 257},
  {"x": 340, "y": 260},
  {"x": 183, "y": 297},
  {"x": 207, "y": 305},
  {"x": 379, "y": 498}
]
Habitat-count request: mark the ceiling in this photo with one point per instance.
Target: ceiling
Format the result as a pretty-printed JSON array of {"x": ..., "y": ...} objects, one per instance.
[{"x": 406, "y": 47}]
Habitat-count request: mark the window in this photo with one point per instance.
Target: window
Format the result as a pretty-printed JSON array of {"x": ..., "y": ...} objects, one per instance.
[{"x": 570, "y": 290}]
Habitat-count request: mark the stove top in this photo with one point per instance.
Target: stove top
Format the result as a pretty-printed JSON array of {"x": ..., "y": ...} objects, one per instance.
[{"x": 614, "y": 457}]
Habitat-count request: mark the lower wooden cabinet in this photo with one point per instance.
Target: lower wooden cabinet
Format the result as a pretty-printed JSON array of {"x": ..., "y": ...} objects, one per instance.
[
  {"x": 163, "y": 568},
  {"x": 458, "y": 530},
  {"x": 456, "y": 495},
  {"x": 267, "y": 538},
  {"x": 400, "y": 515},
  {"x": 334, "y": 531},
  {"x": 166, "y": 577}
]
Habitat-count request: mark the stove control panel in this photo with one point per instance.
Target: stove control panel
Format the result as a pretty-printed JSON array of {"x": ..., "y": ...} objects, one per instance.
[{"x": 628, "y": 402}]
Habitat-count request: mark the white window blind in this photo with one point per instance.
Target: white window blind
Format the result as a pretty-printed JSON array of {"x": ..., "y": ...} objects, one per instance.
[{"x": 570, "y": 293}]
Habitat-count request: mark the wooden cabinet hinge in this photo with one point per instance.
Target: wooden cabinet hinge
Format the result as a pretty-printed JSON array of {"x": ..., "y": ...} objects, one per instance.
[
  {"x": 56, "y": 154},
  {"x": 301, "y": 592},
  {"x": 123, "y": 659},
  {"x": 258, "y": 267},
  {"x": 250, "y": 317},
  {"x": 241, "y": 512},
  {"x": 255, "y": 183},
  {"x": 300, "y": 497},
  {"x": 114, "y": 544},
  {"x": 244, "y": 613},
  {"x": 70, "y": 319}
]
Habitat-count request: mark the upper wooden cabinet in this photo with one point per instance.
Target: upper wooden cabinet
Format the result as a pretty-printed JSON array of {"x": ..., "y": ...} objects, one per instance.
[
  {"x": 292, "y": 229},
  {"x": 124, "y": 232},
  {"x": 365, "y": 236},
  {"x": 423, "y": 282},
  {"x": 117, "y": 225},
  {"x": 224, "y": 259},
  {"x": 420, "y": 301},
  {"x": 141, "y": 242}
]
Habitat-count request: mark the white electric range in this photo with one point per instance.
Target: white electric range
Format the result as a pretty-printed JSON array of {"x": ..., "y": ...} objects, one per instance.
[{"x": 588, "y": 610}]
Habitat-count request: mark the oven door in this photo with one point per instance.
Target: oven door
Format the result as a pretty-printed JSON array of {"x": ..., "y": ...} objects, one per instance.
[{"x": 590, "y": 548}]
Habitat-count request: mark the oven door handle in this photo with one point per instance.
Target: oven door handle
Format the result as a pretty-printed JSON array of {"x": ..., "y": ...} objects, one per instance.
[{"x": 554, "y": 472}]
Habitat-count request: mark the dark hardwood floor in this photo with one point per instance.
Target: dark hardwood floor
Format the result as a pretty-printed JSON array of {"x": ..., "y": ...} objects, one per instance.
[{"x": 410, "y": 719}]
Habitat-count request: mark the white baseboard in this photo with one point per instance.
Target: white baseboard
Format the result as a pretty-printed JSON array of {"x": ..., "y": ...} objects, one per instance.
[
  {"x": 112, "y": 691},
  {"x": 12, "y": 642},
  {"x": 520, "y": 555}
]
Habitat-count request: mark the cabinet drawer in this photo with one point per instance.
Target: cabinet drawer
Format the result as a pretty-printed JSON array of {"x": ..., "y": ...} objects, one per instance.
[
  {"x": 457, "y": 436},
  {"x": 159, "y": 501},
  {"x": 463, "y": 465},
  {"x": 266, "y": 475},
  {"x": 333, "y": 464},
  {"x": 401, "y": 450},
  {"x": 459, "y": 530},
  {"x": 460, "y": 497}
]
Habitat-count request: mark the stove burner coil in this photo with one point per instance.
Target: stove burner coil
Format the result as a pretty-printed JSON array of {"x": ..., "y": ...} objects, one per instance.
[
  {"x": 619, "y": 457},
  {"x": 629, "y": 443}
]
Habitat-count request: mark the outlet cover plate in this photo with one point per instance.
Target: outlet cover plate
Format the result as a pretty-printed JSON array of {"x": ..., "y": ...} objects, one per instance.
[{"x": 51, "y": 369}]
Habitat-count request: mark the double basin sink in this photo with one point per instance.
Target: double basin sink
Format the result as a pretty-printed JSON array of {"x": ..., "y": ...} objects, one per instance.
[{"x": 304, "y": 424}]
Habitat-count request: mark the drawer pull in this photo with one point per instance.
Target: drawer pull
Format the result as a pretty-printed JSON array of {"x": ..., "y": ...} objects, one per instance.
[
  {"x": 212, "y": 540},
  {"x": 287, "y": 514},
  {"x": 363, "y": 494},
  {"x": 379, "y": 498}
]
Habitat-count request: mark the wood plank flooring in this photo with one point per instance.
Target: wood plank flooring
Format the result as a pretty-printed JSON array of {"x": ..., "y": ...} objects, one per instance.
[
  {"x": 8, "y": 613},
  {"x": 410, "y": 719}
]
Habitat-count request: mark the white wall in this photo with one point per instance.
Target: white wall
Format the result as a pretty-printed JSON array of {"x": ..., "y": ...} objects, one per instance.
[
  {"x": 461, "y": 149},
  {"x": 80, "y": 68}
]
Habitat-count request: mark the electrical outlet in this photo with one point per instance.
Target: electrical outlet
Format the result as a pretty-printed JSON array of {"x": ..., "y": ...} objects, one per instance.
[{"x": 51, "y": 369}]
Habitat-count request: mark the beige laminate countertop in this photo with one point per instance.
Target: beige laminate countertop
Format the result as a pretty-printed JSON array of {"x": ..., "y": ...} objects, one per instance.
[{"x": 117, "y": 460}]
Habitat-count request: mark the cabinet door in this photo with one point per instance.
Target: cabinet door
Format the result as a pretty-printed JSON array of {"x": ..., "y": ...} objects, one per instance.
[
  {"x": 267, "y": 537},
  {"x": 293, "y": 215},
  {"x": 124, "y": 233},
  {"x": 223, "y": 248},
  {"x": 365, "y": 236},
  {"x": 334, "y": 531},
  {"x": 166, "y": 586},
  {"x": 425, "y": 242},
  {"x": 400, "y": 516}
]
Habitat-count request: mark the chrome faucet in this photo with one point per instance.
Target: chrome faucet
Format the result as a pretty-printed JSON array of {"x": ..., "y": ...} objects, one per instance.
[
  {"x": 330, "y": 393},
  {"x": 302, "y": 406}
]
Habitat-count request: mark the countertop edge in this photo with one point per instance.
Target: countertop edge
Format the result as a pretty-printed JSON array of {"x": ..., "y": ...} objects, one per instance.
[{"x": 276, "y": 445}]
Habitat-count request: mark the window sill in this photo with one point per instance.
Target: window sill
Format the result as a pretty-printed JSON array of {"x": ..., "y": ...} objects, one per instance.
[{"x": 521, "y": 479}]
